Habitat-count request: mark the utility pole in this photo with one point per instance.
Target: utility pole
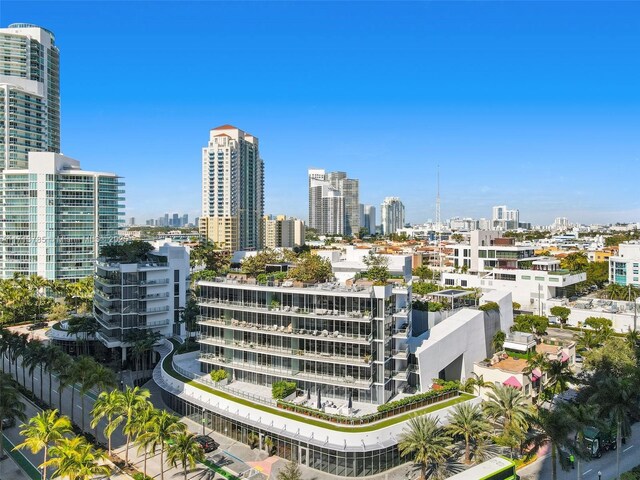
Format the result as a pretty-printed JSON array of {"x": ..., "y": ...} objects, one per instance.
[{"x": 438, "y": 226}]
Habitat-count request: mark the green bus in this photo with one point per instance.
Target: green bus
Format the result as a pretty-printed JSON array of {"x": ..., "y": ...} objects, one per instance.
[{"x": 497, "y": 468}]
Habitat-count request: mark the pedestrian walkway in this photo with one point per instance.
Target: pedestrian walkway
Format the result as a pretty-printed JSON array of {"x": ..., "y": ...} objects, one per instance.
[{"x": 9, "y": 468}]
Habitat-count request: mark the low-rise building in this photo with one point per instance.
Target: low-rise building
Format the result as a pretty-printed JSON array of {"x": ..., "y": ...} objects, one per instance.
[{"x": 624, "y": 268}]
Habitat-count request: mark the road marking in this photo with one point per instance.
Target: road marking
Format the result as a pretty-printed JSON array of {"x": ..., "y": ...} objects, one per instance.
[
  {"x": 630, "y": 446},
  {"x": 54, "y": 391},
  {"x": 79, "y": 407},
  {"x": 587, "y": 471}
]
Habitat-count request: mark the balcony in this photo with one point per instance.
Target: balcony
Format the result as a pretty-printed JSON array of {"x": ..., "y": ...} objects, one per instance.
[
  {"x": 287, "y": 310},
  {"x": 285, "y": 352},
  {"x": 400, "y": 354},
  {"x": 232, "y": 324},
  {"x": 402, "y": 332},
  {"x": 108, "y": 341},
  {"x": 287, "y": 373}
]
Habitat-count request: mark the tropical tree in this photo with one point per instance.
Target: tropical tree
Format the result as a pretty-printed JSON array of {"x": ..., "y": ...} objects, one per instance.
[
  {"x": 559, "y": 376},
  {"x": 51, "y": 355},
  {"x": 426, "y": 442},
  {"x": 133, "y": 400},
  {"x": 550, "y": 427},
  {"x": 162, "y": 427},
  {"x": 562, "y": 313},
  {"x": 63, "y": 367},
  {"x": 144, "y": 415},
  {"x": 497, "y": 342},
  {"x": 536, "y": 362},
  {"x": 291, "y": 471},
  {"x": 526, "y": 322},
  {"x": 83, "y": 375},
  {"x": 108, "y": 406},
  {"x": 311, "y": 268},
  {"x": 185, "y": 451},
  {"x": 617, "y": 399},
  {"x": 508, "y": 408},
  {"x": 11, "y": 407},
  {"x": 468, "y": 421},
  {"x": 31, "y": 357},
  {"x": 575, "y": 262},
  {"x": 76, "y": 459},
  {"x": 47, "y": 428}
]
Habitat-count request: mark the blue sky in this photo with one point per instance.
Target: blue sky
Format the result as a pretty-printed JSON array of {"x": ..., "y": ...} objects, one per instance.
[{"x": 535, "y": 105}]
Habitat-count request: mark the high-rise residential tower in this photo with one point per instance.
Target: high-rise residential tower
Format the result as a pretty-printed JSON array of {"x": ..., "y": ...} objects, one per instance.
[
  {"x": 504, "y": 218},
  {"x": 56, "y": 217},
  {"x": 368, "y": 218},
  {"x": 392, "y": 215},
  {"x": 29, "y": 94},
  {"x": 334, "y": 207},
  {"x": 232, "y": 189}
]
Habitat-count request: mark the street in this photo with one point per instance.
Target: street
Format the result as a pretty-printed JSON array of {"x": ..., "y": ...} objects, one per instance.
[{"x": 629, "y": 458}]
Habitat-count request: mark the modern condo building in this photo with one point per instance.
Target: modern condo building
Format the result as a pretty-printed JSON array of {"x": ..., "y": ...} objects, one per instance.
[
  {"x": 29, "y": 94},
  {"x": 392, "y": 215},
  {"x": 56, "y": 217},
  {"x": 334, "y": 207}
]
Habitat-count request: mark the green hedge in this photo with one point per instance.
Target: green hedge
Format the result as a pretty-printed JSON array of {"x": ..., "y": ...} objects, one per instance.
[
  {"x": 282, "y": 389},
  {"x": 489, "y": 306},
  {"x": 633, "y": 474},
  {"x": 421, "y": 397}
]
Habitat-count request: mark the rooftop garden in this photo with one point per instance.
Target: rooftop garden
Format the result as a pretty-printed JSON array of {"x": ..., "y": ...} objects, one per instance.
[{"x": 128, "y": 252}]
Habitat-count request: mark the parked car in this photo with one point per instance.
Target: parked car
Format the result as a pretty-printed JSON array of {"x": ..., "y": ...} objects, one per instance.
[
  {"x": 207, "y": 443},
  {"x": 36, "y": 326},
  {"x": 8, "y": 422}
]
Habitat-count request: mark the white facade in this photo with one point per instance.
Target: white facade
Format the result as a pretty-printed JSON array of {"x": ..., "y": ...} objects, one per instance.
[
  {"x": 368, "y": 218},
  {"x": 334, "y": 207},
  {"x": 391, "y": 215},
  {"x": 147, "y": 295},
  {"x": 505, "y": 219},
  {"x": 56, "y": 217},
  {"x": 624, "y": 268},
  {"x": 232, "y": 189},
  {"x": 29, "y": 94}
]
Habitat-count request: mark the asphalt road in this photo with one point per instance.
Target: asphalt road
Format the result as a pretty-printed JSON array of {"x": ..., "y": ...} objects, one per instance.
[{"x": 629, "y": 458}]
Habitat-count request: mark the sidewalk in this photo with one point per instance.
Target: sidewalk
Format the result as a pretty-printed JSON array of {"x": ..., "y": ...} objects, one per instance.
[{"x": 9, "y": 469}]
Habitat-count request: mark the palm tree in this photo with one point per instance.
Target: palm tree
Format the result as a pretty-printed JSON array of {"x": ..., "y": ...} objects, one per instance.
[
  {"x": 559, "y": 376},
  {"x": 63, "y": 367},
  {"x": 133, "y": 400},
  {"x": 588, "y": 340},
  {"x": 426, "y": 442},
  {"x": 51, "y": 355},
  {"x": 550, "y": 427},
  {"x": 186, "y": 451},
  {"x": 83, "y": 369},
  {"x": 45, "y": 429},
  {"x": 536, "y": 362},
  {"x": 468, "y": 421},
  {"x": 31, "y": 359},
  {"x": 140, "y": 424},
  {"x": 509, "y": 409},
  {"x": 162, "y": 427},
  {"x": 10, "y": 405},
  {"x": 617, "y": 398},
  {"x": 76, "y": 459},
  {"x": 108, "y": 405}
]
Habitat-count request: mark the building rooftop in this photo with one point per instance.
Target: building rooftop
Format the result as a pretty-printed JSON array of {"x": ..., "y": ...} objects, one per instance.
[{"x": 510, "y": 364}]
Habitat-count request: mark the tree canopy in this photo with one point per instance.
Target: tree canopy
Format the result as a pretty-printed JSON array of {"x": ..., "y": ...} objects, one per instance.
[
  {"x": 127, "y": 252},
  {"x": 311, "y": 268},
  {"x": 530, "y": 323}
]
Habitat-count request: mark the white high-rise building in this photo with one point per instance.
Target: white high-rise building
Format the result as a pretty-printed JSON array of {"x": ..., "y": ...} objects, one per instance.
[
  {"x": 232, "y": 189},
  {"x": 392, "y": 215},
  {"x": 29, "y": 94},
  {"x": 505, "y": 219},
  {"x": 334, "y": 206},
  {"x": 56, "y": 217}
]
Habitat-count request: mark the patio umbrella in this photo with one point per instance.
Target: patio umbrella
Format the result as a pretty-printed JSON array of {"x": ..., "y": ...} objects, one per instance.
[
  {"x": 350, "y": 402},
  {"x": 309, "y": 393},
  {"x": 319, "y": 400}
]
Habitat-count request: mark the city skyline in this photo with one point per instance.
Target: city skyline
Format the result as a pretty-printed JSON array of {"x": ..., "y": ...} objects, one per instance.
[{"x": 508, "y": 100}]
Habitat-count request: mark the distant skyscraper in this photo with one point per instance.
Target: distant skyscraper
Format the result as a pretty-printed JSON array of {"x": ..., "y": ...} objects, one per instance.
[
  {"x": 232, "y": 189},
  {"x": 132, "y": 221},
  {"x": 282, "y": 232},
  {"x": 334, "y": 207},
  {"x": 88, "y": 213},
  {"x": 505, "y": 219},
  {"x": 369, "y": 218},
  {"x": 175, "y": 220},
  {"x": 29, "y": 94},
  {"x": 185, "y": 219},
  {"x": 392, "y": 215}
]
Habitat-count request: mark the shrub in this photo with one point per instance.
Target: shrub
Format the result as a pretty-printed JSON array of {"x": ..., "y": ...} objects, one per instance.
[
  {"x": 446, "y": 387},
  {"x": 218, "y": 375},
  {"x": 282, "y": 389},
  {"x": 489, "y": 306}
]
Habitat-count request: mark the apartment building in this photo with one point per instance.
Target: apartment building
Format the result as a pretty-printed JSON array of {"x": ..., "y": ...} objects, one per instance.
[
  {"x": 391, "y": 215},
  {"x": 368, "y": 218},
  {"x": 147, "y": 295},
  {"x": 29, "y": 94},
  {"x": 334, "y": 206},
  {"x": 56, "y": 217},
  {"x": 282, "y": 232},
  {"x": 624, "y": 268},
  {"x": 505, "y": 219},
  {"x": 232, "y": 189}
]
